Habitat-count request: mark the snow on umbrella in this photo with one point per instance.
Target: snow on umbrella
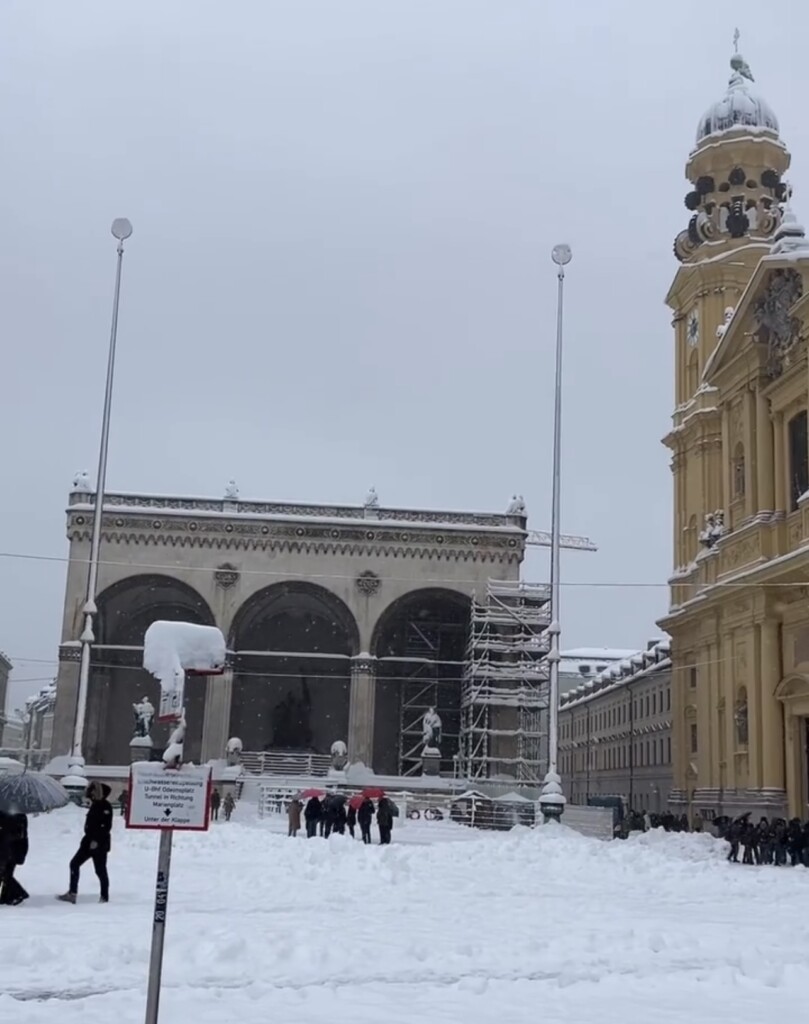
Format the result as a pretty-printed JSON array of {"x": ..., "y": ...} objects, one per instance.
[
  {"x": 30, "y": 793},
  {"x": 11, "y": 764}
]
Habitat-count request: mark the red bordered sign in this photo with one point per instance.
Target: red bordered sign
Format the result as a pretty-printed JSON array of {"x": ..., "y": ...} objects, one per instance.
[{"x": 169, "y": 798}]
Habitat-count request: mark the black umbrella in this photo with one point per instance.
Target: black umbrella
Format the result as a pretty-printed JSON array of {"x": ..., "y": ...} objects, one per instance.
[{"x": 30, "y": 793}]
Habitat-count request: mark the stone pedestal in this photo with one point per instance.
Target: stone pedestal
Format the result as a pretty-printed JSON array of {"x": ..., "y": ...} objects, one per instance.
[
  {"x": 430, "y": 761},
  {"x": 140, "y": 749},
  {"x": 216, "y": 724},
  {"x": 361, "y": 710}
]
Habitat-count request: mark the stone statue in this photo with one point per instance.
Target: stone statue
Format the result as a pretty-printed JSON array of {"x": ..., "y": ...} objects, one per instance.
[
  {"x": 81, "y": 482},
  {"x": 720, "y": 330},
  {"x": 233, "y": 751},
  {"x": 144, "y": 716},
  {"x": 232, "y": 491},
  {"x": 714, "y": 529},
  {"x": 339, "y": 755},
  {"x": 431, "y": 729},
  {"x": 372, "y": 499},
  {"x": 516, "y": 506}
]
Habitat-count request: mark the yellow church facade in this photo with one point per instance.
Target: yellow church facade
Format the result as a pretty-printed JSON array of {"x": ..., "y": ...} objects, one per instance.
[{"x": 739, "y": 592}]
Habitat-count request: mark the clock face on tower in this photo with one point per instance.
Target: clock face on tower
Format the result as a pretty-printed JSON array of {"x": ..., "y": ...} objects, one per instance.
[{"x": 692, "y": 329}]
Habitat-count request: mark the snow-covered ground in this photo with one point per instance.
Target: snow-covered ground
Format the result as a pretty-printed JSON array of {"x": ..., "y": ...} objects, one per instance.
[{"x": 444, "y": 926}]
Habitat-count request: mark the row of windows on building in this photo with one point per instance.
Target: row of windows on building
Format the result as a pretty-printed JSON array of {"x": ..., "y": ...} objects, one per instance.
[
  {"x": 647, "y": 706},
  {"x": 615, "y": 756}
]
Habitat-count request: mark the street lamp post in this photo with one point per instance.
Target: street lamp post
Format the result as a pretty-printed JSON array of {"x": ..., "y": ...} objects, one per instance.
[
  {"x": 552, "y": 800},
  {"x": 121, "y": 229}
]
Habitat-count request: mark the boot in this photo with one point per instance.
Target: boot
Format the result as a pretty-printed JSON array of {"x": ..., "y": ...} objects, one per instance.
[
  {"x": 67, "y": 897},
  {"x": 103, "y": 899}
]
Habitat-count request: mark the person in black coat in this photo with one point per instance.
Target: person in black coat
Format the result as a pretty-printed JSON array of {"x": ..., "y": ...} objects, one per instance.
[
  {"x": 384, "y": 820},
  {"x": 351, "y": 819},
  {"x": 365, "y": 815},
  {"x": 312, "y": 814},
  {"x": 13, "y": 851},
  {"x": 95, "y": 843}
]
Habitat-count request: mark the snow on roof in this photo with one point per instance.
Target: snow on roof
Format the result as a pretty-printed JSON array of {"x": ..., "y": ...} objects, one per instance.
[
  {"x": 599, "y": 653},
  {"x": 622, "y": 672},
  {"x": 740, "y": 107},
  {"x": 347, "y": 515}
]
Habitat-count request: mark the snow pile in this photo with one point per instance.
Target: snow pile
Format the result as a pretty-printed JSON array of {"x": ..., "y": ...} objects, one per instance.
[
  {"x": 172, "y": 648},
  {"x": 261, "y": 927}
]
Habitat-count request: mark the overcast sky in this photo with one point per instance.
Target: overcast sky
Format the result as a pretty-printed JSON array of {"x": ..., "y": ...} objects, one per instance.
[{"x": 340, "y": 270}]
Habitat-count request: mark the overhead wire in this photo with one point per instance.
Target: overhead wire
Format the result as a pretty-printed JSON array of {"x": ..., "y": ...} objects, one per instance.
[{"x": 291, "y": 575}]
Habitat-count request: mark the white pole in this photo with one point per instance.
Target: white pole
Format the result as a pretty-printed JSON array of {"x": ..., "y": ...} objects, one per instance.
[
  {"x": 121, "y": 229},
  {"x": 551, "y": 799}
]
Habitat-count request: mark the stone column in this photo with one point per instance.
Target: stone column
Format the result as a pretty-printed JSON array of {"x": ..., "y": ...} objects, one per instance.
[
  {"x": 361, "y": 710},
  {"x": 764, "y": 457},
  {"x": 772, "y": 716},
  {"x": 779, "y": 464},
  {"x": 67, "y": 695},
  {"x": 216, "y": 723}
]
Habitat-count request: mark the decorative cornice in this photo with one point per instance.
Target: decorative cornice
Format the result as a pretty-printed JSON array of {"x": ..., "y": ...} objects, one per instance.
[
  {"x": 321, "y": 538},
  {"x": 70, "y": 652}
]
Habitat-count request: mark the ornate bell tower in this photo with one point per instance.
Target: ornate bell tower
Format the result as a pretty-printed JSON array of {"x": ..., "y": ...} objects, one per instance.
[{"x": 735, "y": 170}]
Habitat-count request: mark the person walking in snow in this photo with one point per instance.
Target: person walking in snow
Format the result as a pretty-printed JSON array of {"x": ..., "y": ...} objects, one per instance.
[
  {"x": 95, "y": 843},
  {"x": 13, "y": 851},
  {"x": 294, "y": 817},
  {"x": 384, "y": 821},
  {"x": 365, "y": 815},
  {"x": 216, "y": 803},
  {"x": 351, "y": 819},
  {"x": 123, "y": 801},
  {"x": 312, "y": 814},
  {"x": 228, "y": 805}
]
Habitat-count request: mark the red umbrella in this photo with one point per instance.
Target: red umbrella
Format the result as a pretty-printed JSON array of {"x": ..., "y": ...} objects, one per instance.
[
  {"x": 356, "y": 802},
  {"x": 307, "y": 794},
  {"x": 373, "y": 794}
]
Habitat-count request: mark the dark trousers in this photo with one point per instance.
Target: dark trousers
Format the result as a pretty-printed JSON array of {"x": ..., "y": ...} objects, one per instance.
[
  {"x": 366, "y": 833},
  {"x": 11, "y": 891},
  {"x": 214, "y": 813},
  {"x": 384, "y": 834},
  {"x": 99, "y": 859},
  {"x": 311, "y": 828}
]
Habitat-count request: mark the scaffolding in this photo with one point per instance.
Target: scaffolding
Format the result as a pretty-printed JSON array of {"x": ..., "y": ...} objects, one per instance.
[
  {"x": 504, "y": 694},
  {"x": 428, "y": 682}
]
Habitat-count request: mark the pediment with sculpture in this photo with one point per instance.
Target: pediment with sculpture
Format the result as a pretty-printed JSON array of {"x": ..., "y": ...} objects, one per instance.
[{"x": 769, "y": 321}]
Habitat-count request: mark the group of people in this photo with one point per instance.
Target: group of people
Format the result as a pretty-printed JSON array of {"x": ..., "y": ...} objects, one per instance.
[
  {"x": 643, "y": 821},
  {"x": 228, "y": 805},
  {"x": 332, "y": 813},
  {"x": 94, "y": 846},
  {"x": 778, "y": 842}
]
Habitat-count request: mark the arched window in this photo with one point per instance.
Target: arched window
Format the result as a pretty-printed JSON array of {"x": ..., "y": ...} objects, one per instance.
[
  {"x": 740, "y": 717},
  {"x": 693, "y": 373},
  {"x": 738, "y": 471},
  {"x": 798, "y": 458}
]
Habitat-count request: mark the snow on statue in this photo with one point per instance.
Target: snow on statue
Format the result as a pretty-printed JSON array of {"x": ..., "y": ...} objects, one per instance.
[
  {"x": 144, "y": 716},
  {"x": 431, "y": 727},
  {"x": 171, "y": 648}
]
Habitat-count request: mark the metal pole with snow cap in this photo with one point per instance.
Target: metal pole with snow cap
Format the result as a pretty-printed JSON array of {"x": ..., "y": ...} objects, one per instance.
[
  {"x": 172, "y": 796},
  {"x": 121, "y": 229},
  {"x": 551, "y": 800}
]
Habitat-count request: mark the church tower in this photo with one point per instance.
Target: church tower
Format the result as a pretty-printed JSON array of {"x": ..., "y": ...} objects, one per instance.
[
  {"x": 740, "y": 466},
  {"x": 736, "y": 174}
]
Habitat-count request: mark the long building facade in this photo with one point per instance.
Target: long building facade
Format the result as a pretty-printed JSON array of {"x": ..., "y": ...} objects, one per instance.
[
  {"x": 615, "y": 733},
  {"x": 342, "y": 622},
  {"x": 739, "y": 615}
]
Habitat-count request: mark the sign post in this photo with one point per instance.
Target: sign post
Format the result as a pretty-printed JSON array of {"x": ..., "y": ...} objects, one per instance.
[{"x": 166, "y": 799}]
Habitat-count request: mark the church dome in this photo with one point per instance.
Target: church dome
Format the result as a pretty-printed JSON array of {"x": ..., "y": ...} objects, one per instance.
[{"x": 741, "y": 107}]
